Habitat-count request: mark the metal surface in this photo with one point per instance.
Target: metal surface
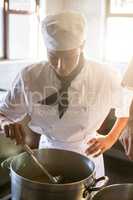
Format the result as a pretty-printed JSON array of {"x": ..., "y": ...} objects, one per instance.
[
  {"x": 53, "y": 179},
  {"x": 116, "y": 191},
  {"x": 4, "y": 175},
  {"x": 7, "y": 149},
  {"x": 78, "y": 170}
]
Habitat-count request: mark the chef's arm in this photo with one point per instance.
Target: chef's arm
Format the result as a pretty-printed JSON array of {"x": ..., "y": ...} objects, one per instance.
[
  {"x": 117, "y": 129},
  {"x": 100, "y": 144}
]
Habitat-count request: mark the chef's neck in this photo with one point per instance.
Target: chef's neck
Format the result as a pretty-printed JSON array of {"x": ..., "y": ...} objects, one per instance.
[{"x": 75, "y": 70}]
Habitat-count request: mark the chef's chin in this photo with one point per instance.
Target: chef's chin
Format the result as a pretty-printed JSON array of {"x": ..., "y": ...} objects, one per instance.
[{"x": 63, "y": 73}]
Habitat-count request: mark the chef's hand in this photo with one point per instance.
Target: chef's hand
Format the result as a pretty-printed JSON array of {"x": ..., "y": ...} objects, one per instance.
[
  {"x": 127, "y": 142},
  {"x": 14, "y": 129},
  {"x": 99, "y": 145}
]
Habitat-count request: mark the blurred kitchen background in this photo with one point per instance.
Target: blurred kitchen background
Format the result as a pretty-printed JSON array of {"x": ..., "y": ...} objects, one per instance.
[{"x": 109, "y": 39}]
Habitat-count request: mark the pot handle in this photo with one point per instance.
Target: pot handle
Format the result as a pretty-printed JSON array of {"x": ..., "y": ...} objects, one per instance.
[
  {"x": 6, "y": 163},
  {"x": 90, "y": 189}
]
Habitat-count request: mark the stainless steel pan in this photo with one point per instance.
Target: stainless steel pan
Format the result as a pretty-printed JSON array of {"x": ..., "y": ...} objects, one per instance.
[{"x": 115, "y": 192}]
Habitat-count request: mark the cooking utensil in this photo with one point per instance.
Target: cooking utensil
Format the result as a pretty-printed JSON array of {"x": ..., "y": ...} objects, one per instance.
[
  {"x": 78, "y": 176},
  {"x": 53, "y": 179}
]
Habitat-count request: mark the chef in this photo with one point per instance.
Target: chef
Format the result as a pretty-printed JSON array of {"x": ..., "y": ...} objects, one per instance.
[
  {"x": 127, "y": 135},
  {"x": 67, "y": 97}
]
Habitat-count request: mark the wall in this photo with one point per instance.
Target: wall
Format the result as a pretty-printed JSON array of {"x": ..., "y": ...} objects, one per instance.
[
  {"x": 53, "y": 6},
  {"x": 1, "y": 28}
]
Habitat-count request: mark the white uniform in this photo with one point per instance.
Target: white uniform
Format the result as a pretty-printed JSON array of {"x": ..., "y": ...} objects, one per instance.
[
  {"x": 91, "y": 96},
  {"x": 128, "y": 76}
]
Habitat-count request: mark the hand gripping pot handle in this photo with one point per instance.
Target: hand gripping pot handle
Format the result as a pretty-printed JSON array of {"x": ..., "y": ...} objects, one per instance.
[{"x": 93, "y": 187}]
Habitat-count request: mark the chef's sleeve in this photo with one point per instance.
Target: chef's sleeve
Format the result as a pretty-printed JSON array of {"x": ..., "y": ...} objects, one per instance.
[
  {"x": 13, "y": 104},
  {"x": 121, "y": 97},
  {"x": 127, "y": 80}
]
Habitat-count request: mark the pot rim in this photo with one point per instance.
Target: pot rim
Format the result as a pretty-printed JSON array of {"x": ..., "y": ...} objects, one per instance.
[
  {"x": 84, "y": 181},
  {"x": 117, "y": 184},
  {"x": 112, "y": 186}
]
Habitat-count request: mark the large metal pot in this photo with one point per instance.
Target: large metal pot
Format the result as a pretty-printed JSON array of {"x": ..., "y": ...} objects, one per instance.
[
  {"x": 116, "y": 191},
  {"x": 77, "y": 171},
  {"x": 7, "y": 148}
]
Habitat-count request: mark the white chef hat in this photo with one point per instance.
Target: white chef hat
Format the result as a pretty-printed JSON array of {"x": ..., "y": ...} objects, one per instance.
[
  {"x": 128, "y": 76},
  {"x": 64, "y": 31}
]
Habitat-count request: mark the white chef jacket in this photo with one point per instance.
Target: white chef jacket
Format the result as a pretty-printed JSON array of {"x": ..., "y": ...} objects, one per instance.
[
  {"x": 94, "y": 91},
  {"x": 128, "y": 76}
]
